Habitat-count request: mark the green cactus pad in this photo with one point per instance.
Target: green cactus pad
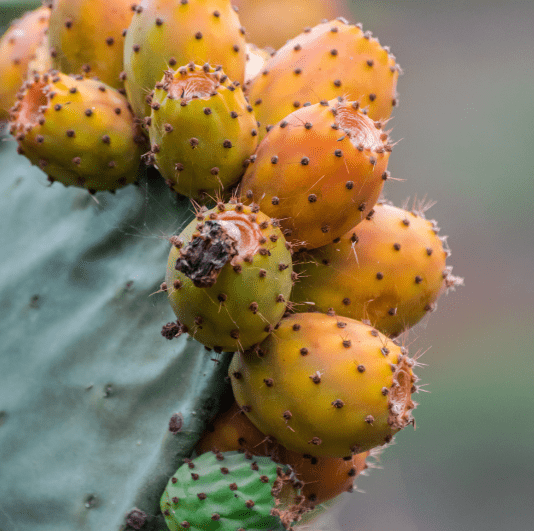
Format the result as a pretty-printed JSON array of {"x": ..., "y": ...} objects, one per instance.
[{"x": 223, "y": 492}]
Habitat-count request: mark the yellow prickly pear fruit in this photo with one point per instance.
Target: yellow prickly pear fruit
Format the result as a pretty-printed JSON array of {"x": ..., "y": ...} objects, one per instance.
[
  {"x": 172, "y": 33},
  {"x": 325, "y": 386},
  {"x": 201, "y": 130},
  {"x": 319, "y": 171},
  {"x": 330, "y": 60},
  {"x": 389, "y": 270},
  {"x": 79, "y": 131},
  {"x": 86, "y": 36},
  {"x": 229, "y": 277},
  {"x": 18, "y": 47}
]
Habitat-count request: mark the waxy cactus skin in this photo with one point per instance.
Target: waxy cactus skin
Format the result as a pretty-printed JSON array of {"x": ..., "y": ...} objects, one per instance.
[
  {"x": 79, "y": 131},
  {"x": 320, "y": 171},
  {"x": 87, "y": 37},
  {"x": 234, "y": 277},
  {"x": 338, "y": 386},
  {"x": 171, "y": 33},
  {"x": 231, "y": 490},
  {"x": 322, "y": 478},
  {"x": 18, "y": 47},
  {"x": 330, "y": 60},
  {"x": 201, "y": 130},
  {"x": 390, "y": 270}
]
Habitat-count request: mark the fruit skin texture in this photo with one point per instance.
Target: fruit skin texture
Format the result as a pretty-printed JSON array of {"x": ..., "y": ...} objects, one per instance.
[
  {"x": 250, "y": 290},
  {"x": 390, "y": 270},
  {"x": 201, "y": 131},
  {"x": 18, "y": 47},
  {"x": 339, "y": 387},
  {"x": 86, "y": 36},
  {"x": 320, "y": 171},
  {"x": 323, "y": 478},
  {"x": 289, "y": 17},
  {"x": 79, "y": 131},
  {"x": 219, "y": 491},
  {"x": 332, "y": 59},
  {"x": 167, "y": 33}
]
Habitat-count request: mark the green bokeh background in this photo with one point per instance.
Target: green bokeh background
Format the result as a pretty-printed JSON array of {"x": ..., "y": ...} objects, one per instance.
[{"x": 465, "y": 125}]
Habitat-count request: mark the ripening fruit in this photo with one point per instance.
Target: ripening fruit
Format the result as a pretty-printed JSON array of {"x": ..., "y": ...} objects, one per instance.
[
  {"x": 319, "y": 171},
  {"x": 87, "y": 36},
  {"x": 337, "y": 386},
  {"x": 229, "y": 277},
  {"x": 18, "y": 47},
  {"x": 172, "y": 33},
  {"x": 389, "y": 270},
  {"x": 79, "y": 131},
  {"x": 330, "y": 60},
  {"x": 201, "y": 130},
  {"x": 322, "y": 478}
]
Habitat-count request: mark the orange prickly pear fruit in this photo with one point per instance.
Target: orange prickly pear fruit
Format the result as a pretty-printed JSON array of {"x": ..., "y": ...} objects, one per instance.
[
  {"x": 330, "y": 60},
  {"x": 229, "y": 277},
  {"x": 337, "y": 386},
  {"x": 18, "y": 47},
  {"x": 174, "y": 33},
  {"x": 86, "y": 36},
  {"x": 273, "y": 22},
  {"x": 322, "y": 478},
  {"x": 201, "y": 129},
  {"x": 79, "y": 131},
  {"x": 390, "y": 270},
  {"x": 319, "y": 171}
]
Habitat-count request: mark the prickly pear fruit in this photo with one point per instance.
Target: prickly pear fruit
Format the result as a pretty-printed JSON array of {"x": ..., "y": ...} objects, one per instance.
[
  {"x": 229, "y": 277},
  {"x": 17, "y": 48},
  {"x": 322, "y": 478},
  {"x": 201, "y": 130},
  {"x": 333, "y": 59},
  {"x": 289, "y": 17},
  {"x": 79, "y": 131},
  {"x": 167, "y": 33},
  {"x": 337, "y": 386},
  {"x": 256, "y": 58},
  {"x": 390, "y": 270},
  {"x": 86, "y": 36},
  {"x": 224, "y": 491},
  {"x": 320, "y": 171}
]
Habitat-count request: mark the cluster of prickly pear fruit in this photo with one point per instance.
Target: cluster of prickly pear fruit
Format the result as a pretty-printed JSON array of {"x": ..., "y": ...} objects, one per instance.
[{"x": 292, "y": 261}]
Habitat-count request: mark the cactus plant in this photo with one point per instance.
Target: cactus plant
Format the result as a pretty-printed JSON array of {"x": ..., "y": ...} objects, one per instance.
[
  {"x": 87, "y": 37},
  {"x": 320, "y": 171},
  {"x": 167, "y": 33},
  {"x": 201, "y": 130}
]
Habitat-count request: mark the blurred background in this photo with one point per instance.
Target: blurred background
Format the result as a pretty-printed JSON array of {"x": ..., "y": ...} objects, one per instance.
[{"x": 466, "y": 140}]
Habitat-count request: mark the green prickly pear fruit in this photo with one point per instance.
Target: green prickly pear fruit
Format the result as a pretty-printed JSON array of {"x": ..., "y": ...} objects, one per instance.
[
  {"x": 167, "y": 33},
  {"x": 390, "y": 270},
  {"x": 330, "y": 60},
  {"x": 18, "y": 47},
  {"x": 201, "y": 129},
  {"x": 322, "y": 478},
  {"x": 86, "y": 36},
  {"x": 79, "y": 131},
  {"x": 229, "y": 277},
  {"x": 320, "y": 171},
  {"x": 228, "y": 491},
  {"x": 339, "y": 387}
]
